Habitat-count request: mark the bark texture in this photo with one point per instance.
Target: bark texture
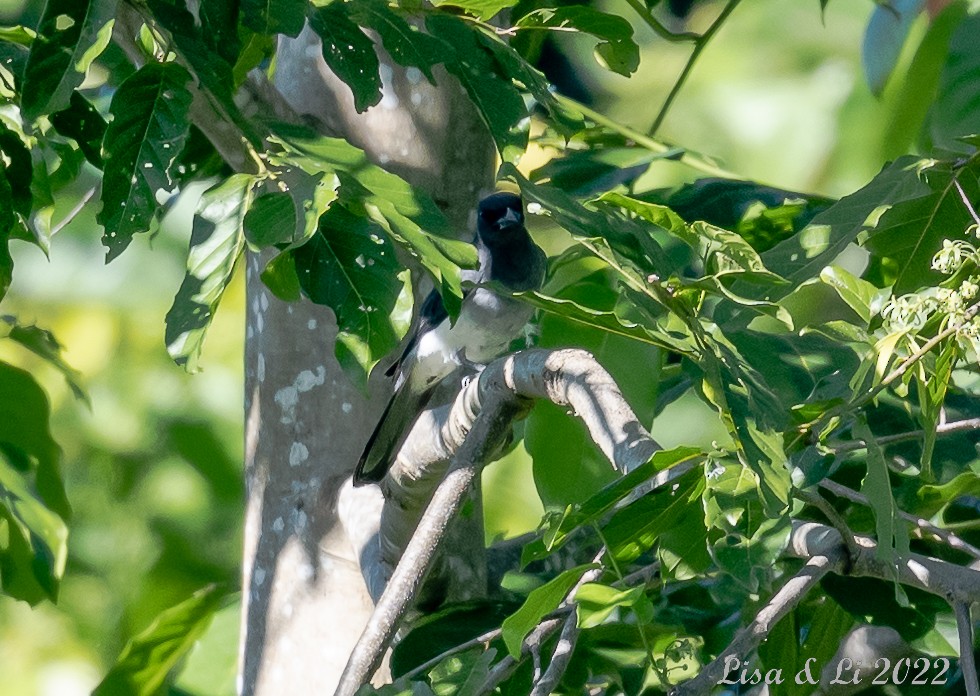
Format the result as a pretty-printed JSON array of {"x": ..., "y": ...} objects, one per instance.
[{"x": 305, "y": 601}]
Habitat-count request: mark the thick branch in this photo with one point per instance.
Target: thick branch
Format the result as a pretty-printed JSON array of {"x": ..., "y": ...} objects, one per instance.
[
  {"x": 568, "y": 378},
  {"x": 474, "y": 428}
]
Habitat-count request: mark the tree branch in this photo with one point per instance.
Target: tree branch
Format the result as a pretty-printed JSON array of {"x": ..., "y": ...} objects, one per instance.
[
  {"x": 559, "y": 659},
  {"x": 749, "y": 638},
  {"x": 968, "y": 665},
  {"x": 826, "y": 552},
  {"x": 885, "y": 440},
  {"x": 925, "y": 525},
  {"x": 473, "y": 428}
]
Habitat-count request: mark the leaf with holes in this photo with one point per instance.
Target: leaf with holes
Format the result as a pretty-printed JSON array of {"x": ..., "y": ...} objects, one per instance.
[
  {"x": 350, "y": 266},
  {"x": 405, "y": 44},
  {"x": 71, "y": 34},
  {"x": 217, "y": 240},
  {"x": 349, "y": 53},
  {"x": 146, "y": 134},
  {"x": 496, "y": 99}
]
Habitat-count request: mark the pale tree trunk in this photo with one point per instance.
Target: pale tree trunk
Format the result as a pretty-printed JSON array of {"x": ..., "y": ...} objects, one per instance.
[{"x": 304, "y": 600}]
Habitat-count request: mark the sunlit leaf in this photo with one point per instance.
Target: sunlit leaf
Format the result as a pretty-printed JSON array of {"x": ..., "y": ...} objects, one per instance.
[
  {"x": 71, "y": 34},
  {"x": 484, "y": 9},
  {"x": 216, "y": 243},
  {"x": 542, "y": 601},
  {"x": 145, "y": 136}
]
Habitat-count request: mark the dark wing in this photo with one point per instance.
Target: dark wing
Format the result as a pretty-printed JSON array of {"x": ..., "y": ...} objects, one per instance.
[{"x": 431, "y": 314}]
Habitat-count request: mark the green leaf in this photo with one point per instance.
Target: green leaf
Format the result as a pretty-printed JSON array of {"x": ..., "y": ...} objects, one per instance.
[
  {"x": 891, "y": 531},
  {"x": 912, "y": 229},
  {"x": 635, "y": 528},
  {"x": 274, "y": 16},
  {"x": 71, "y": 34},
  {"x": 24, "y": 428},
  {"x": 594, "y": 602},
  {"x": 43, "y": 344},
  {"x": 216, "y": 242},
  {"x": 212, "y": 664},
  {"x": 932, "y": 387},
  {"x": 897, "y": 187},
  {"x": 350, "y": 266},
  {"x": 34, "y": 549},
  {"x": 599, "y": 504},
  {"x": 82, "y": 122},
  {"x": 956, "y": 110},
  {"x": 620, "y": 237},
  {"x": 147, "y": 659},
  {"x": 280, "y": 277},
  {"x": 146, "y": 134},
  {"x": 482, "y": 9},
  {"x": 918, "y": 91},
  {"x": 932, "y": 498},
  {"x": 860, "y": 295},
  {"x": 349, "y": 53},
  {"x": 750, "y": 541},
  {"x": 616, "y": 50},
  {"x": 405, "y": 44},
  {"x": 270, "y": 220},
  {"x": 17, "y": 167},
  {"x": 411, "y": 218},
  {"x": 887, "y": 31},
  {"x": 496, "y": 99},
  {"x": 541, "y": 602}
]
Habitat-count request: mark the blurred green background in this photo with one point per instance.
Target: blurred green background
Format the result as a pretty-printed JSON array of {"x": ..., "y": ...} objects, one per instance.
[{"x": 153, "y": 467}]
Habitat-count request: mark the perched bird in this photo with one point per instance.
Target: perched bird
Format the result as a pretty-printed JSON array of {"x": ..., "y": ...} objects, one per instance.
[{"x": 485, "y": 328}]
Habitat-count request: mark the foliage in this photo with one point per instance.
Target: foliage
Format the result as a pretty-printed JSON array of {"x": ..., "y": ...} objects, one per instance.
[{"x": 834, "y": 340}]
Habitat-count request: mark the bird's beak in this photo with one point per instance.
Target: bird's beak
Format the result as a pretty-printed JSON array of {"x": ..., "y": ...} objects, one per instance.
[{"x": 510, "y": 219}]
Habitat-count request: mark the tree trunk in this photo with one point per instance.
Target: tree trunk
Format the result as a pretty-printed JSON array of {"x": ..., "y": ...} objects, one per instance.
[{"x": 305, "y": 601}]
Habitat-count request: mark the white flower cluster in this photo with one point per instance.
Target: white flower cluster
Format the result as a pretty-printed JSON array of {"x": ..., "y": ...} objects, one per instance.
[{"x": 909, "y": 313}]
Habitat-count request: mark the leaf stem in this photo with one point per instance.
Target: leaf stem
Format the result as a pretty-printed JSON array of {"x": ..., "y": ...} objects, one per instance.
[
  {"x": 658, "y": 28},
  {"x": 684, "y": 156},
  {"x": 699, "y": 46}
]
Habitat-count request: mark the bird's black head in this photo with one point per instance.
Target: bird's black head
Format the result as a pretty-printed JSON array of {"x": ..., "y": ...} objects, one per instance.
[{"x": 499, "y": 216}]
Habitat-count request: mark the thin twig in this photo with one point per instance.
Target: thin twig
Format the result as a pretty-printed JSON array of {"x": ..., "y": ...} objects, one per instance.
[
  {"x": 699, "y": 46},
  {"x": 885, "y": 440},
  {"x": 749, "y": 638},
  {"x": 834, "y": 517},
  {"x": 63, "y": 222},
  {"x": 559, "y": 658},
  {"x": 968, "y": 665},
  {"x": 966, "y": 201},
  {"x": 944, "y": 535},
  {"x": 684, "y": 156}
]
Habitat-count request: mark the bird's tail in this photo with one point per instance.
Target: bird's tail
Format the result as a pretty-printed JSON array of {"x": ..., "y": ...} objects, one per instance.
[{"x": 390, "y": 433}]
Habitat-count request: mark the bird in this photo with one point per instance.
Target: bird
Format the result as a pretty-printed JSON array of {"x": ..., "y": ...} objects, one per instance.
[{"x": 486, "y": 326}]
